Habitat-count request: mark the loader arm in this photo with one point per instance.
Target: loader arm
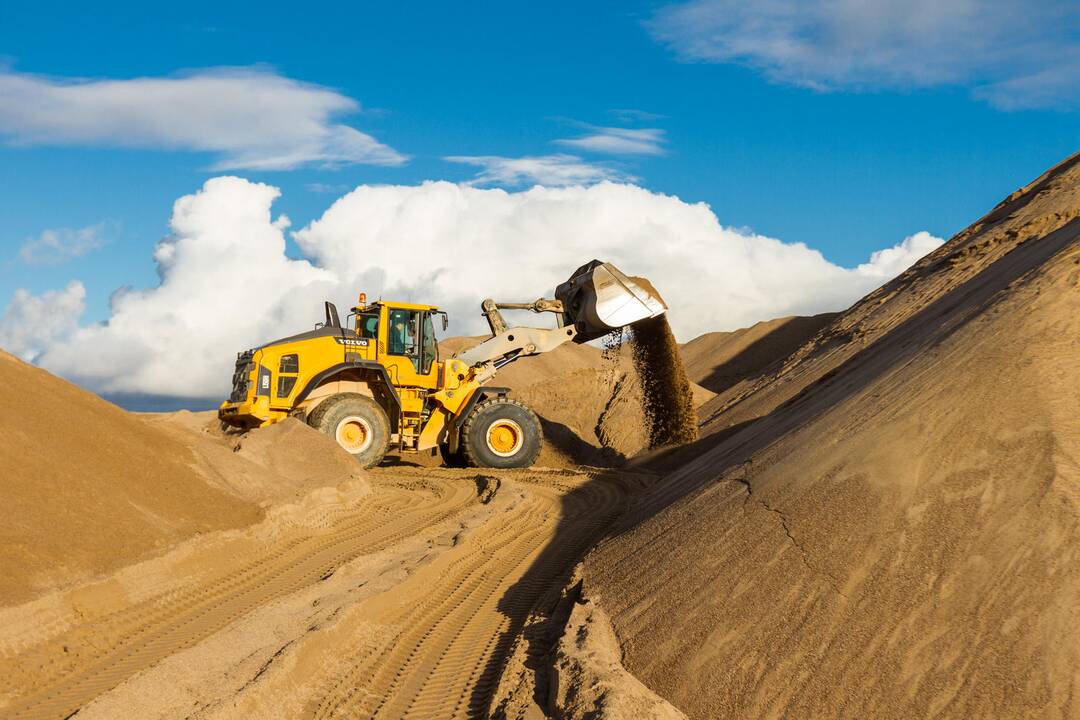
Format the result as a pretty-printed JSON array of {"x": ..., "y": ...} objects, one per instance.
[
  {"x": 596, "y": 300},
  {"x": 507, "y": 344}
]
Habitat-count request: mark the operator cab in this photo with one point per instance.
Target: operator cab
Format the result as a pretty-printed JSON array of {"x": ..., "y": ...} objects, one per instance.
[{"x": 404, "y": 337}]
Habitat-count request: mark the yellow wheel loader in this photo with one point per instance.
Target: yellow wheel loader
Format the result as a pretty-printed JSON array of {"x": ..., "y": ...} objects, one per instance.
[{"x": 377, "y": 381}]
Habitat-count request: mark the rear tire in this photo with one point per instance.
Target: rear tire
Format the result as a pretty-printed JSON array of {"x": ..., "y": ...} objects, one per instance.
[
  {"x": 357, "y": 423},
  {"x": 501, "y": 433}
]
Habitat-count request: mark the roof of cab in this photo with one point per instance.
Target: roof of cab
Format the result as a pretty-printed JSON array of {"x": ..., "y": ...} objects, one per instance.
[{"x": 393, "y": 304}]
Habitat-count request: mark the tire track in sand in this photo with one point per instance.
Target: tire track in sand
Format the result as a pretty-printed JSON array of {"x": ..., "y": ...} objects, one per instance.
[
  {"x": 57, "y": 677},
  {"x": 453, "y": 623}
]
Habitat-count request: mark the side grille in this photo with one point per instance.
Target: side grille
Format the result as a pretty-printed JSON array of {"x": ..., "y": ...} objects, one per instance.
[{"x": 241, "y": 379}]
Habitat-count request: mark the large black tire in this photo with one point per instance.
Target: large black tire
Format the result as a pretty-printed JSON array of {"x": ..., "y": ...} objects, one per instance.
[
  {"x": 358, "y": 424},
  {"x": 452, "y": 459},
  {"x": 501, "y": 433}
]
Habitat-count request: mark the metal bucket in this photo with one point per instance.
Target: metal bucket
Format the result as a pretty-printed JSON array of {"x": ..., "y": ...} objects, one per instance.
[{"x": 598, "y": 299}]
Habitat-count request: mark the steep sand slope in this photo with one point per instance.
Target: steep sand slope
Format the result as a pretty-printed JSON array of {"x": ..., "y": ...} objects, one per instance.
[
  {"x": 1050, "y": 202},
  {"x": 888, "y": 526},
  {"x": 720, "y": 360},
  {"x": 88, "y": 487}
]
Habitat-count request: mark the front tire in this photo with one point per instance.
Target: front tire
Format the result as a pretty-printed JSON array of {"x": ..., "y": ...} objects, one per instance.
[
  {"x": 501, "y": 433},
  {"x": 452, "y": 459},
  {"x": 357, "y": 423}
]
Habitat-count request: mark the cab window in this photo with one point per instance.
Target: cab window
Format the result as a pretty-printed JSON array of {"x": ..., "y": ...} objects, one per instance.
[
  {"x": 404, "y": 338},
  {"x": 430, "y": 350},
  {"x": 367, "y": 325}
]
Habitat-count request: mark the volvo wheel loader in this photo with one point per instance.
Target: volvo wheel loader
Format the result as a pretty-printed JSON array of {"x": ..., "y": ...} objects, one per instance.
[{"x": 377, "y": 380}]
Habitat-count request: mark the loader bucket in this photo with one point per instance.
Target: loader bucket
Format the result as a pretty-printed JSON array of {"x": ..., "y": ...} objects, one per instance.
[{"x": 598, "y": 298}]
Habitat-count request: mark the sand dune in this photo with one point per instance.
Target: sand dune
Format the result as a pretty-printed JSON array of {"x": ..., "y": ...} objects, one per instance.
[
  {"x": 89, "y": 487},
  {"x": 719, "y": 361},
  {"x": 891, "y": 530}
]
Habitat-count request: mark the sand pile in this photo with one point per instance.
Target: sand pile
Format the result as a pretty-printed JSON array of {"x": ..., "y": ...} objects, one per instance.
[
  {"x": 667, "y": 401},
  {"x": 88, "y": 487},
  {"x": 588, "y": 679},
  {"x": 274, "y": 464},
  {"x": 893, "y": 529},
  {"x": 720, "y": 361}
]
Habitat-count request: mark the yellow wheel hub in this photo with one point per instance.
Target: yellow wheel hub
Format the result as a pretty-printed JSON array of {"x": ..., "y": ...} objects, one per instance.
[
  {"x": 505, "y": 437},
  {"x": 354, "y": 434}
]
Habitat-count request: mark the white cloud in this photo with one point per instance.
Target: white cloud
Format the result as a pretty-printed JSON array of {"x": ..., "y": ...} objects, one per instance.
[
  {"x": 58, "y": 245},
  {"x": 32, "y": 323},
  {"x": 620, "y": 141},
  {"x": 515, "y": 246},
  {"x": 228, "y": 285},
  {"x": 890, "y": 262},
  {"x": 547, "y": 170},
  {"x": 1013, "y": 53},
  {"x": 250, "y": 118}
]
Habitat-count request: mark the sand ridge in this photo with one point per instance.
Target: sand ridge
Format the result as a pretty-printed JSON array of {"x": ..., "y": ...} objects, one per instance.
[{"x": 886, "y": 523}]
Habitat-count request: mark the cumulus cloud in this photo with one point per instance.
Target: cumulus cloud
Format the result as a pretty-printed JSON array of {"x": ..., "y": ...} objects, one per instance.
[
  {"x": 619, "y": 141},
  {"x": 58, "y": 245},
  {"x": 250, "y": 118},
  {"x": 227, "y": 284},
  {"x": 547, "y": 170},
  {"x": 32, "y": 323},
  {"x": 1013, "y": 53},
  {"x": 515, "y": 245},
  {"x": 890, "y": 262}
]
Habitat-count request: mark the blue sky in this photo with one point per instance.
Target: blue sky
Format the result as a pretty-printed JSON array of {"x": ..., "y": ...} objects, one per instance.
[{"x": 845, "y": 154}]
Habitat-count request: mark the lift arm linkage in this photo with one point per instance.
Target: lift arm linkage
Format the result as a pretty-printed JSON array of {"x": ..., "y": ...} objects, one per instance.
[{"x": 507, "y": 344}]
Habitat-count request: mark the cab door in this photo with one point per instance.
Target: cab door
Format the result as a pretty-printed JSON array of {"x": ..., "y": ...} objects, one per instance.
[
  {"x": 365, "y": 345},
  {"x": 411, "y": 347}
]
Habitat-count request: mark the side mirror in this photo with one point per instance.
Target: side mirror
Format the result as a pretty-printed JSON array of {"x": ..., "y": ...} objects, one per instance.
[
  {"x": 445, "y": 322},
  {"x": 332, "y": 319}
]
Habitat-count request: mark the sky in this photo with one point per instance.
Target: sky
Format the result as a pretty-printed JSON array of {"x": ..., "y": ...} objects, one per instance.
[{"x": 775, "y": 149}]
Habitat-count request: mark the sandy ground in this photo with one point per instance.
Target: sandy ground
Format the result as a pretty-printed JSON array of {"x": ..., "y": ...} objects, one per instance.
[
  {"x": 75, "y": 504},
  {"x": 398, "y": 597},
  {"x": 588, "y": 679}
]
